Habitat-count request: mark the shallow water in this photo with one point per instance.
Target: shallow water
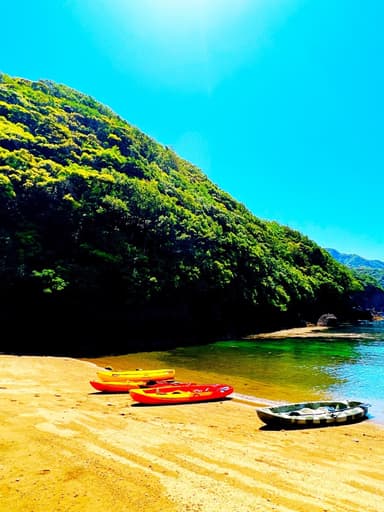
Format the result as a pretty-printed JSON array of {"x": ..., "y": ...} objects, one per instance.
[{"x": 349, "y": 367}]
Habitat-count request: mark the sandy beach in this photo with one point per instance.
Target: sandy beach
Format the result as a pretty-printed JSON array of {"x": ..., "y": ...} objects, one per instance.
[{"x": 66, "y": 447}]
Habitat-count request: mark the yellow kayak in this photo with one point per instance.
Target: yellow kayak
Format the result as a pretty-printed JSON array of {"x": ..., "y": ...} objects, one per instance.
[{"x": 136, "y": 375}]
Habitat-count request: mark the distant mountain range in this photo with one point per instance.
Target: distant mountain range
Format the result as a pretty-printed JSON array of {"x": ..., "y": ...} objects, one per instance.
[
  {"x": 371, "y": 272},
  {"x": 355, "y": 261}
]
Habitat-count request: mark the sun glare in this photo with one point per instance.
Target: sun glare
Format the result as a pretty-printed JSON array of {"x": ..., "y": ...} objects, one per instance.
[
  {"x": 179, "y": 15},
  {"x": 185, "y": 7},
  {"x": 190, "y": 44}
]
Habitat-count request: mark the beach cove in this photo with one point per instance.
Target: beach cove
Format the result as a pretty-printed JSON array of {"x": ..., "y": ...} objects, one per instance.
[{"x": 65, "y": 447}]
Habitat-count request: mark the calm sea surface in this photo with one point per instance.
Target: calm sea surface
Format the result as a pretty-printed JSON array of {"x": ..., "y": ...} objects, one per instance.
[{"x": 347, "y": 364}]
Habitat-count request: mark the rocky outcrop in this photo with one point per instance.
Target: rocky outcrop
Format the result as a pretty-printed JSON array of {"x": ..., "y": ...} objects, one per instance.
[{"x": 328, "y": 320}]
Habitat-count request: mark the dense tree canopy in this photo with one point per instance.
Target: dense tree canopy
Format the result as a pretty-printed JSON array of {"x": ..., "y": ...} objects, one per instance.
[{"x": 109, "y": 240}]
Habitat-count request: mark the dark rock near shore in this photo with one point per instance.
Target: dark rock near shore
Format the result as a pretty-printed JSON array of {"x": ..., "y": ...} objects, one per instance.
[{"x": 328, "y": 320}]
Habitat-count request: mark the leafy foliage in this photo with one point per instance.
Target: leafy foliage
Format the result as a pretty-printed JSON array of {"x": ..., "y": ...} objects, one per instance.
[{"x": 105, "y": 231}]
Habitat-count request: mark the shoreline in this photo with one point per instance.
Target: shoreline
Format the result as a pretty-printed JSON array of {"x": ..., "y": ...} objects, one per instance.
[
  {"x": 302, "y": 332},
  {"x": 294, "y": 332},
  {"x": 68, "y": 448},
  {"x": 254, "y": 392}
]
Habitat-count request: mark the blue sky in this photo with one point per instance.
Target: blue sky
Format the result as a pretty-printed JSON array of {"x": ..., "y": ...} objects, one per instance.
[{"x": 279, "y": 102}]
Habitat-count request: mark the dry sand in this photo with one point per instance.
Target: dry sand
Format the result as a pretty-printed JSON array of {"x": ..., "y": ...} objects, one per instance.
[{"x": 65, "y": 447}]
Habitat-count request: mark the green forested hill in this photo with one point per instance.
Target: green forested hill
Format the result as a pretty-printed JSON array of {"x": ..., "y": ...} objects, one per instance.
[{"x": 110, "y": 241}]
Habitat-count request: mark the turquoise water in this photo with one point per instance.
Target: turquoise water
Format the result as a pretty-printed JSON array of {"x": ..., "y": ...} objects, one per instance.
[{"x": 344, "y": 367}]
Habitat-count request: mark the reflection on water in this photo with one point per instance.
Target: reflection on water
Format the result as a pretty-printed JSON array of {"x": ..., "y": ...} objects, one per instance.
[
  {"x": 350, "y": 367},
  {"x": 347, "y": 364}
]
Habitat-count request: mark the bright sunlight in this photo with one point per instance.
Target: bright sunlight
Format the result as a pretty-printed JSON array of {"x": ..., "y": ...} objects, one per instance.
[{"x": 180, "y": 17}]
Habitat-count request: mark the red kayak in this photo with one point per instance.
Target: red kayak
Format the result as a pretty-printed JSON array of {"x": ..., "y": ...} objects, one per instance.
[
  {"x": 182, "y": 393},
  {"x": 125, "y": 387}
]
